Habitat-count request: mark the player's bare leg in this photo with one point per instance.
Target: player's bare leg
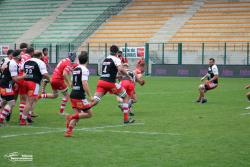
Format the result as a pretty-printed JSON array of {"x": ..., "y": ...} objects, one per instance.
[
  {"x": 71, "y": 120},
  {"x": 201, "y": 97}
]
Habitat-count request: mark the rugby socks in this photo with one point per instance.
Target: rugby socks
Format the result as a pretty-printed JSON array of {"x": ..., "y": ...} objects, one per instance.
[
  {"x": 125, "y": 112},
  {"x": 63, "y": 104},
  {"x": 21, "y": 109},
  {"x": 43, "y": 96},
  {"x": 6, "y": 111}
]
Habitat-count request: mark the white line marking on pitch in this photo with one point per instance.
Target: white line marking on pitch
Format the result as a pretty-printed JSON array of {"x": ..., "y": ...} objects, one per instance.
[
  {"x": 247, "y": 113},
  {"x": 56, "y": 130},
  {"x": 93, "y": 129}
]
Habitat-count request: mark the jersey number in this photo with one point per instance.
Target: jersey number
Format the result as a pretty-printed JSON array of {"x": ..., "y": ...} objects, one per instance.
[{"x": 105, "y": 69}]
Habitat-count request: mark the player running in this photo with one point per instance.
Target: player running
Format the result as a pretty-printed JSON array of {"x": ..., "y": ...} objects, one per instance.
[
  {"x": 60, "y": 80},
  {"x": 35, "y": 69},
  {"x": 107, "y": 82},
  {"x": 212, "y": 77},
  {"x": 9, "y": 77},
  {"x": 79, "y": 102}
]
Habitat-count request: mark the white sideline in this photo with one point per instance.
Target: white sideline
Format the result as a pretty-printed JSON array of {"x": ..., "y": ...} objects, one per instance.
[{"x": 93, "y": 129}]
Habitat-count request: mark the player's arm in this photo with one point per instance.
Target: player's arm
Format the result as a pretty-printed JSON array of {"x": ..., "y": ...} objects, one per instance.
[
  {"x": 139, "y": 79},
  {"x": 204, "y": 77},
  {"x": 86, "y": 89},
  {"x": 14, "y": 72},
  {"x": 85, "y": 85},
  {"x": 122, "y": 71},
  {"x": 214, "y": 78},
  {"x": 44, "y": 71},
  {"x": 66, "y": 74}
]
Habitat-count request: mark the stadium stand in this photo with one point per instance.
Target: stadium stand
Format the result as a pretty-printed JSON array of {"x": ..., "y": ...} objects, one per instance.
[
  {"x": 217, "y": 21},
  {"x": 17, "y": 16},
  {"x": 138, "y": 22},
  {"x": 74, "y": 20}
]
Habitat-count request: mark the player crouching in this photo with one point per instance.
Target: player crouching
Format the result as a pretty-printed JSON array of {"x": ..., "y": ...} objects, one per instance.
[
  {"x": 212, "y": 77},
  {"x": 79, "y": 103}
]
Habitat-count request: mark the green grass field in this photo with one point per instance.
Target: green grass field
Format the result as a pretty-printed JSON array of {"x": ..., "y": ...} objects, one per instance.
[{"x": 170, "y": 130}]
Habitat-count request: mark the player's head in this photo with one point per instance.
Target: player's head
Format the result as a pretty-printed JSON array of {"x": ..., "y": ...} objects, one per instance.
[
  {"x": 16, "y": 54},
  {"x": 72, "y": 56},
  {"x": 83, "y": 57},
  {"x": 23, "y": 46},
  {"x": 10, "y": 53},
  {"x": 114, "y": 50},
  {"x": 37, "y": 54},
  {"x": 30, "y": 51},
  {"x": 119, "y": 54},
  {"x": 45, "y": 51},
  {"x": 211, "y": 61}
]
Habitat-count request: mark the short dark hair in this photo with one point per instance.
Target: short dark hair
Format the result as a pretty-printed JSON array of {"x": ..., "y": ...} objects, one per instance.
[
  {"x": 45, "y": 49},
  {"x": 16, "y": 53},
  {"x": 23, "y": 45},
  {"x": 30, "y": 50},
  {"x": 37, "y": 54},
  {"x": 212, "y": 59},
  {"x": 114, "y": 49},
  {"x": 83, "y": 57},
  {"x": 10, "y": 51}
]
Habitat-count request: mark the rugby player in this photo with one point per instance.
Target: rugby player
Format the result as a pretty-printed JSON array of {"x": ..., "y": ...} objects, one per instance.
[
  {"x": 79, "y": 102},
  {"x": 35, "y": 70},
  {"x": 211, "y": 81},
  {"x": 9, "y": 77},
  {"x": 107, "y": 82},
  {"x": 60, "y": 80}
]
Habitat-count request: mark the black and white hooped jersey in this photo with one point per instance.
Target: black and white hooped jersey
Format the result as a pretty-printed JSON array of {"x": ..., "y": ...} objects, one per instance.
[
  {"x": 109, "y": 68},
  {"x": 213, "y": 70},
  {"x": 80, "y": 73},
  {"x": 34, "y": 69},
  {"x": 10, "y": 71}
]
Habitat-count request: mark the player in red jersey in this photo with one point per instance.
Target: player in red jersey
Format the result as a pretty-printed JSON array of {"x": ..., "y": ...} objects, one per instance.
[
  {"x": 7, "y": 81},
  {"x": 140, "y": 65},
  {"x": 79, "y": 102},
  {"x": 24, "y": 56},
  {"x": 120, "y": 56},
  {"x": 129, "y": 85},
  {"x": 60, "y": 80},
  {"x": 107, "y": 82},
  {"x": 35, "y": 69}
]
